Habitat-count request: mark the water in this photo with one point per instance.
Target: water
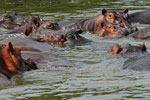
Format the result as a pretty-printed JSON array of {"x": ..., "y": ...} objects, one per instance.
[{"x": 97, "y": 75}]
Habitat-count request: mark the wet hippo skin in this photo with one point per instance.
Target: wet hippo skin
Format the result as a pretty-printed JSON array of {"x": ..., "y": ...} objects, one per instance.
[
  {"x": 137, "y": 57},
  {"x": 12, "y": 22},
  {"x": 140, "y": 63},
  {"x": 39, "y": 52},
  {"x": 94, "y": 24},
  {"x": 128, "y": 50},
  {"x": 51, "y": 33},
  {"x": 141, "y": 34},
  {"x": 141, "y": 17},
  {"x": 12, "y": 63}
]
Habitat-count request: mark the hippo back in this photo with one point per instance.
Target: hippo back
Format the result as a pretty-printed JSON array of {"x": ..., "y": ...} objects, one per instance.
[
  {"x": 138, "y": 63},
  {"x": 140, "y": 17}
]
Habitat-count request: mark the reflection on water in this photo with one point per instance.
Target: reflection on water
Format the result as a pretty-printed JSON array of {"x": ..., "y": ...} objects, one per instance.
[{"x": 97, "y": 75}]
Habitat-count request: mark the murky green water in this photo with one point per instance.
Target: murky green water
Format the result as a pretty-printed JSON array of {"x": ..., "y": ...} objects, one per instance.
[{"x": 98, "y": 75}]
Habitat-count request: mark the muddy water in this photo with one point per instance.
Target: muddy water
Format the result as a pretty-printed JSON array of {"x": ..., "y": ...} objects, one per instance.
[{"x": 97, "y": 75}]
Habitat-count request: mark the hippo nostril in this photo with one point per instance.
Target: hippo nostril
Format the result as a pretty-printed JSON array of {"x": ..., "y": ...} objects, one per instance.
[
  {"x": 120, "y": 49},
  {"x": 120, "y": 21}
]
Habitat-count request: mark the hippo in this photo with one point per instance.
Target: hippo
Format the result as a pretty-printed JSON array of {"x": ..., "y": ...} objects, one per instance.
[
  {"x": 141, "y": 34},
  {"x": 128, "y": 50},
  {"x": 113, "y": 30},
  {"x": 39, "y": 52},
  {"x": 52, "y": 34},
  {"x": 137, "y": 57},
  {"x": 93, "y": 24},
  {"x": 13, "y": 21},
  {"x": 33, "y": 25},
  {"x": 12, "y": 63},
  {"x": 139, "y": 63},
  {"x": 141, "y": 17}
]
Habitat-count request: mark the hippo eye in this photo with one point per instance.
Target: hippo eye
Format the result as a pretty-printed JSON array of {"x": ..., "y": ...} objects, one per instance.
[
  {"x": 109, "y": 15},
  {"x": 109, "y": 27},
  {"x": 50, "y": 26}
]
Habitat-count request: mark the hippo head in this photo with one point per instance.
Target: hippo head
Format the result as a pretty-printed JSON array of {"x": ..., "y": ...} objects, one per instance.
[
  {"x": 38, "y": 28},
  {"x": 124, "y": 14},
  {"x": 112, "y": 30},
  {"x": 11, "y": 59},
  {"x": 127, "y": 49},
  {"x": 48, "y": 32},
  {"x": 116, "y": 17},
  {"x": 5, "y": 17}
]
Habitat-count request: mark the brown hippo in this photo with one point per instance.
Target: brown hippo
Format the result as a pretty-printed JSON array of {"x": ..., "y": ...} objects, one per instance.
[
  {"x": 94, "y": 24},
  {"x": 12, "y": 63}
]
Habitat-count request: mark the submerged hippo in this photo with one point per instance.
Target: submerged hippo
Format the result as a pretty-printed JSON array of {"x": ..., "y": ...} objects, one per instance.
[
  {"x": 140, "y": 63},
  {"x": 52, "y": 34},
  {"x": 39, "y": 52},
  {"x": 138, "y": 57},
  {"x": 141, "y": 34},
  {"x": 141, "y": 17},
  {"x": 128, "y": 50},
  {"x": 94, "y": 24},
  {"x": 13, "y": 21},
  {"x": 12, "y": 63}
]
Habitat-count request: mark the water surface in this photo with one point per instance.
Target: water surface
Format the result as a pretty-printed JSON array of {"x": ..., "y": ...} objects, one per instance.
[{"x": 97, "y": 75}]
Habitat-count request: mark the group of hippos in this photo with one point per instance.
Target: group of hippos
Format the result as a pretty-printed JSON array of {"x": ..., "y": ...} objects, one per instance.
[{"x": 33, "y": 51}]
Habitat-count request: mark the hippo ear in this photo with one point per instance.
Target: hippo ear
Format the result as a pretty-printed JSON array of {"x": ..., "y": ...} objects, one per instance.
[
  {"x": 103, "y": 11},
  {"x": 103, "y": 25},
  {"x": 126, "y": 10},
  {"x": 11, "y": 47},
  {"x": 143, "y": 47},
  {"x": 36, "y": 22},
  {"x": 28, "y": 30}
]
